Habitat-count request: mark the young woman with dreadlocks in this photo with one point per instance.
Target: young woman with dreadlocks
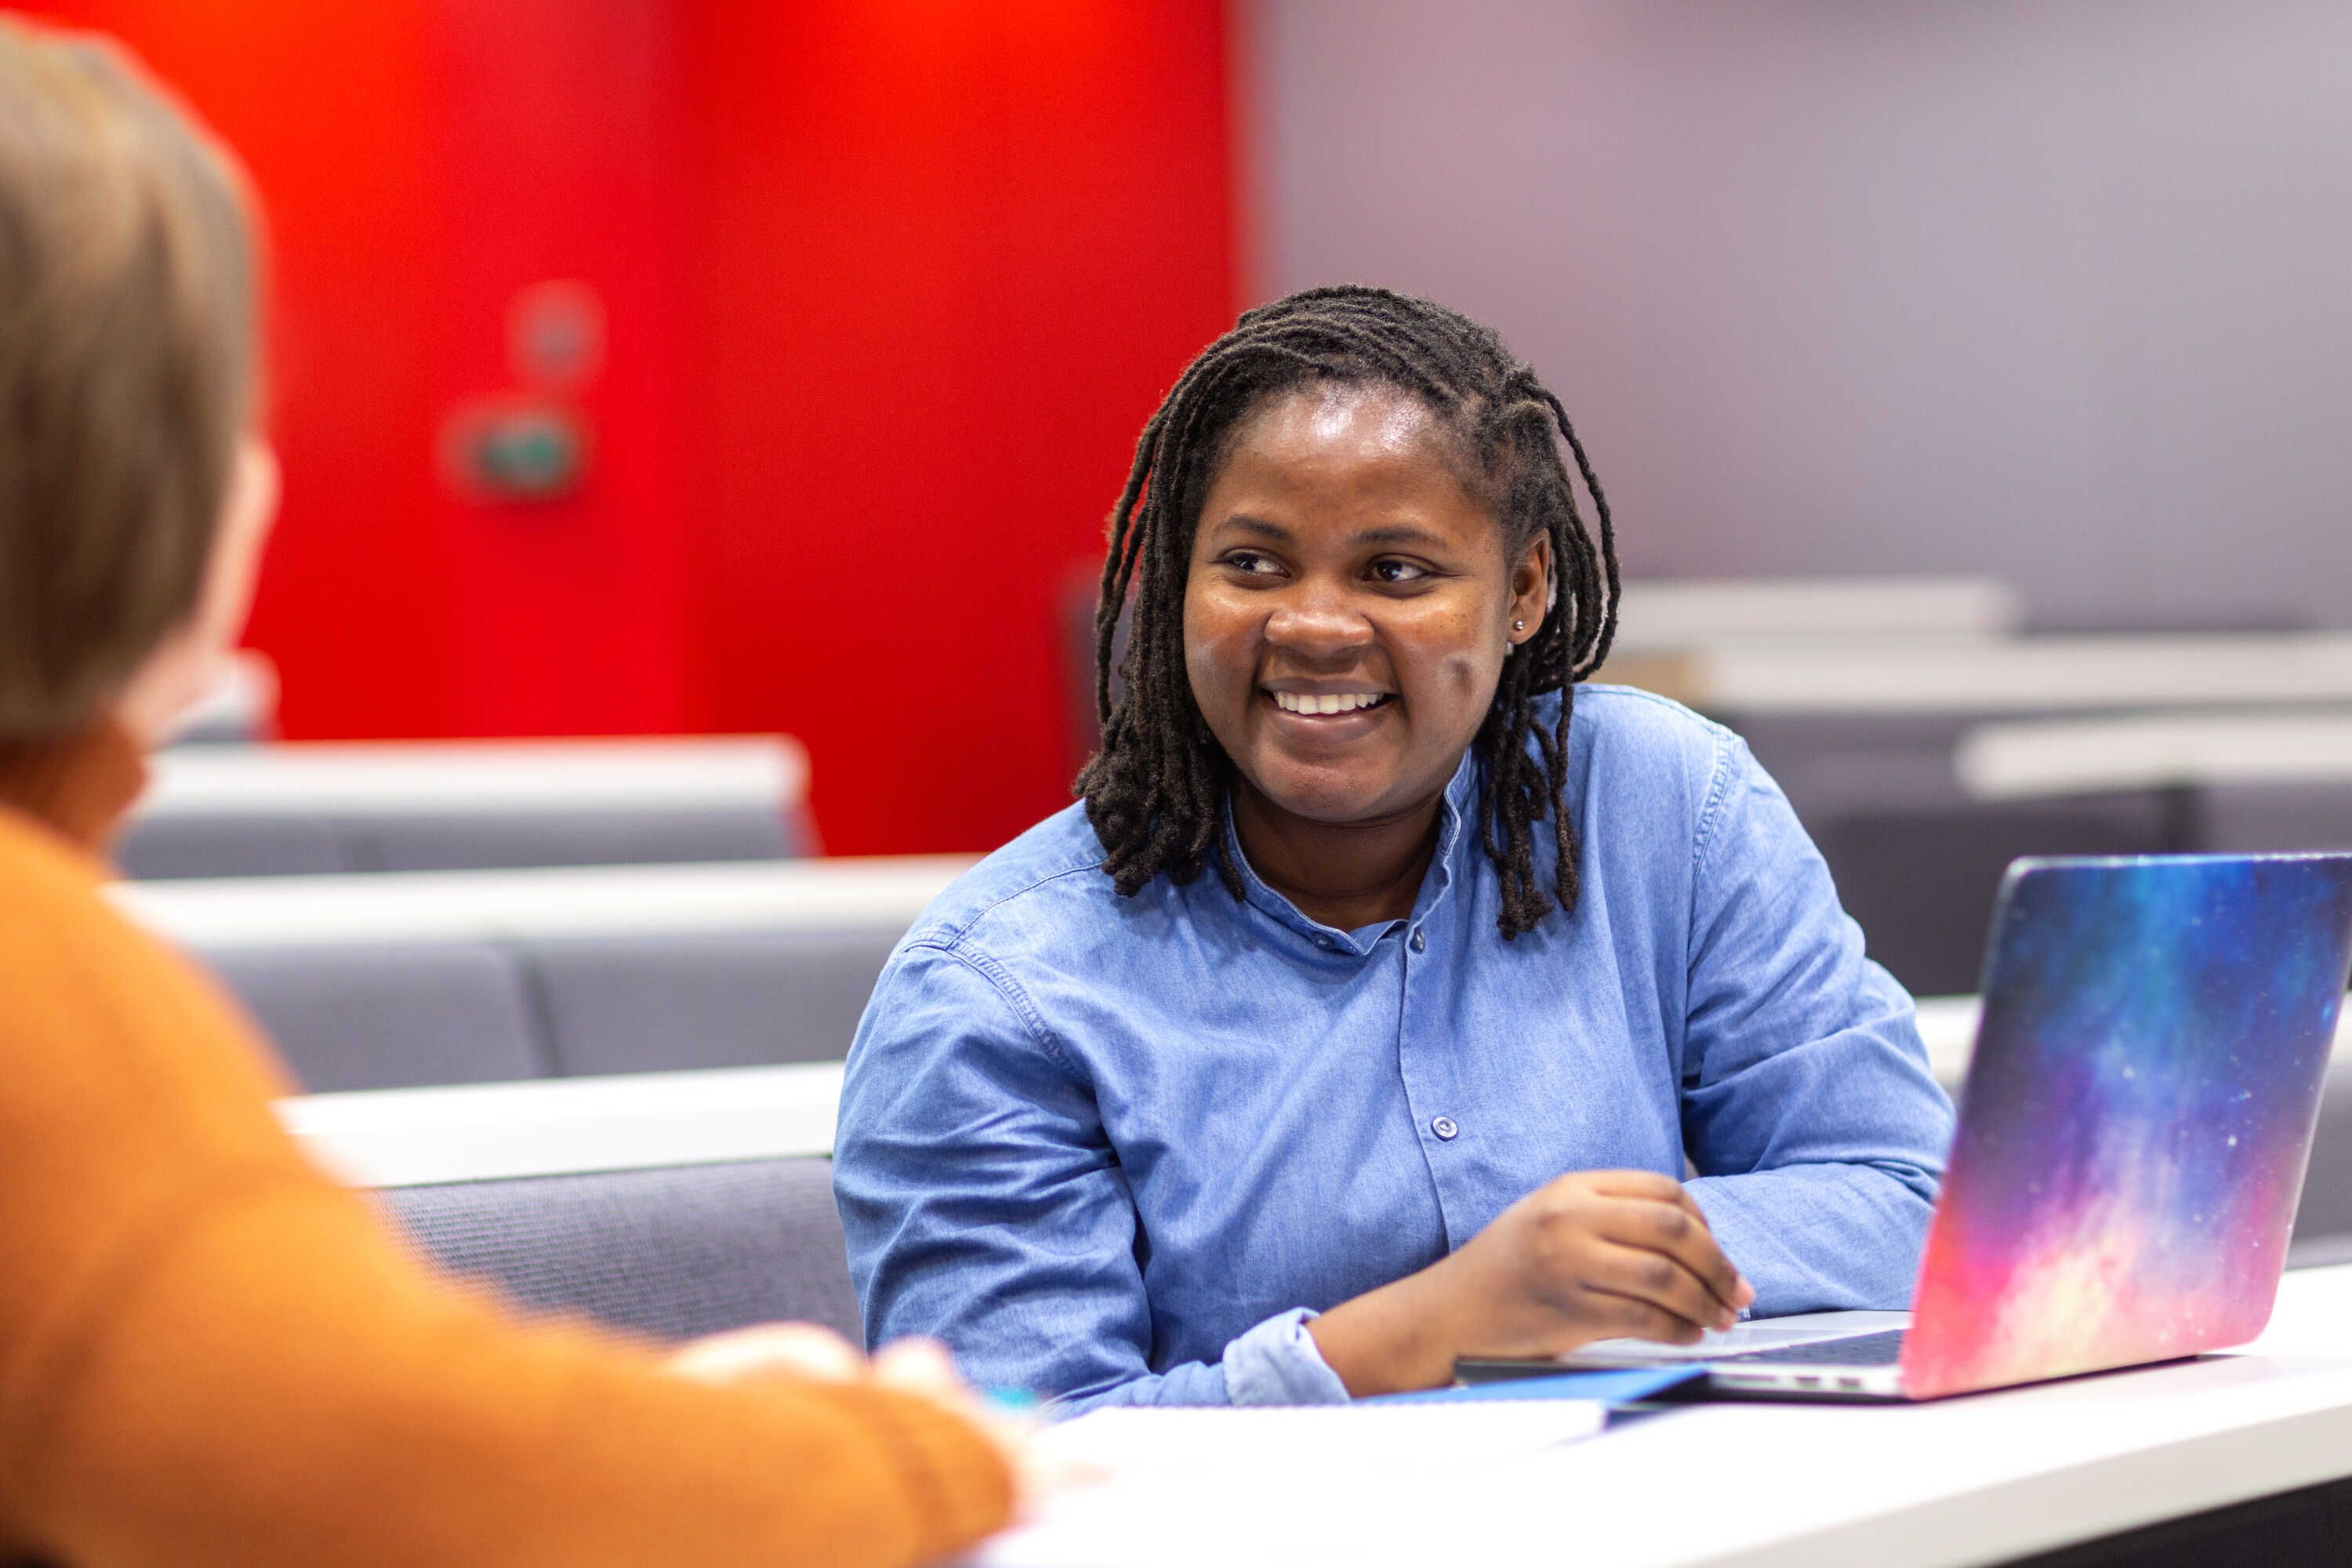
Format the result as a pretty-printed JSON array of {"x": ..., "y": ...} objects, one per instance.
[{"x": 1365, "y": 1014}]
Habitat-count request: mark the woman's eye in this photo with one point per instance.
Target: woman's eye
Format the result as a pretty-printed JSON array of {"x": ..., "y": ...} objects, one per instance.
[
  {"x": 1397, "y": 571},
  {"x": 1251, "y": 561}
]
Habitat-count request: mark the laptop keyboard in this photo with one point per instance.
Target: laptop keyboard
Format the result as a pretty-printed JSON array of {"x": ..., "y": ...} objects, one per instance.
[{"x": 1883, "y": 1349}]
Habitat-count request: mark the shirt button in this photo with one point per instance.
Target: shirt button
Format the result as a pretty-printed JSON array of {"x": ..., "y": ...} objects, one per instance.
[
  {"x": 1443, "y": 1126},
  {"x": 1420, "y": 943}
]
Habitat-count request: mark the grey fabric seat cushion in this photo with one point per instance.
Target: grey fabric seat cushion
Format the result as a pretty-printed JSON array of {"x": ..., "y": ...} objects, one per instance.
[
  {"x": 704, "y": 999},
  {"x": 674, "y": 1252},
  {"x": 390, "y": 1014}
]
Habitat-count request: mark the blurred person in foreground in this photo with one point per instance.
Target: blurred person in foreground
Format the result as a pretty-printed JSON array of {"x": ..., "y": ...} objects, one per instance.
[{"x": 210, "y": 1353}]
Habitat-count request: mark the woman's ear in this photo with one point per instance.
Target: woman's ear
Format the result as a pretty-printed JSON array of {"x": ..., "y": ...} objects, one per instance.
[
  {"x": 1531, "y": 589},
  {"x": 183, "y": 669}
]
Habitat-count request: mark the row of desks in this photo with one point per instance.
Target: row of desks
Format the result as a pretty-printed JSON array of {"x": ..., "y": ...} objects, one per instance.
[
  {"x": 2213, "y": 711},
  {"x": 847, "y": 893},
  {"x": 2021, "y": 675},
  {"x": 1985, "y": 1478},
  {"x": 405, "y": 1137},
  {"x": 1977, "y": 1481}
]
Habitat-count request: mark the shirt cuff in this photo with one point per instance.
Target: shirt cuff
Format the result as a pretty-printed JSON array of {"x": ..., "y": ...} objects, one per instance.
[
  {"x": 1277, "y": 1364},
  {"x": 1730, "y": 1221}
]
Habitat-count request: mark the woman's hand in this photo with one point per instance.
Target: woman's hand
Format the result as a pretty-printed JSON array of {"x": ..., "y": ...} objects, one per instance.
[
  {"x": 809, "y": 1353},
  {"x": 1594, "y": 1255}
]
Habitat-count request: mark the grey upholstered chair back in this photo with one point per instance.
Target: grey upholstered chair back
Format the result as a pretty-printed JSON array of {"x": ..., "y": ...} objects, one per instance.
[
  {"x": 157, "y": 848},
  {"x": 2243, "y": 818},
  {"x": 1921, "y": 880},
  {"x": 267, "y": 844},
  {"x": 704, "y": 999},
  {"x": 1827, "y": 763},
  {"x": 672, "y": 1252},
  {"x": 2324, "y": 1215},
  {"x": 611, "y": 837},
  {"x": 391, "y": 1014},
  {"x": 400, "y": 1015}
]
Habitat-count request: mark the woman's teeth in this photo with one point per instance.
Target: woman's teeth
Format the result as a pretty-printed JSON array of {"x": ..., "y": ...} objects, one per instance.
[{"x": 1328, "y": 702}]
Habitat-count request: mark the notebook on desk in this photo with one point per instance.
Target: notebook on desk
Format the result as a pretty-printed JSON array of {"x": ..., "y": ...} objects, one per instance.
[{"x": 2131, "y": 1144}]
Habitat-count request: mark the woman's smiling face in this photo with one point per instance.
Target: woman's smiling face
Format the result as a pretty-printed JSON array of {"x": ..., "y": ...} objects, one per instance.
[{"x": 1349, "y": 603}]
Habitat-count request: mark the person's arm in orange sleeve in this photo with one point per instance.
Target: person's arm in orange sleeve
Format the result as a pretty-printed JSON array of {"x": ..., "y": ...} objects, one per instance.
[{"x": 212, "y": 1354}]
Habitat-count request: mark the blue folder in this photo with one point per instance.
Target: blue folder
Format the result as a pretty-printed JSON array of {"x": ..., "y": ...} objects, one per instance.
[{"x": 1605, "y": 1387}]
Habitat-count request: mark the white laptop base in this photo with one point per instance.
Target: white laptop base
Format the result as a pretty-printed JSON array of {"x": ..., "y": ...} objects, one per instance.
[{"x": 1811, "y": 1379}]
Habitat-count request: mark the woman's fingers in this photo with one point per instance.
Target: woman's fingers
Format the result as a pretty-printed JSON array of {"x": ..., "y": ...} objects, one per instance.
[
  {"x": 1661, "y": 1281},
  {"x": 1680, "y": 1235},
  {"x": 771, "y": 1350},
  {"x": 1632, "y": 1318},
  {"x": 1647, "y": 1185}
]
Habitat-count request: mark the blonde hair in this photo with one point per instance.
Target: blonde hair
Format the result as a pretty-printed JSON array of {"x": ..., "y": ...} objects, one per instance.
[{"x": 128, "y": 369}]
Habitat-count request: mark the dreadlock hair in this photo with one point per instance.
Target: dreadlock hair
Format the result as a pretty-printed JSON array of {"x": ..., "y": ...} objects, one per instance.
[{"x": 1155, "y": 791}]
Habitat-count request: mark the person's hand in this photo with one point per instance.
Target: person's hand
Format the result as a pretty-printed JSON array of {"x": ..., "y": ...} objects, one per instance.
[
  {"x": 1594, "y": 1255},
  {"x": 807, "y": 1351},
  {"x": 917, "y": 1366},
  {"x": 924, "y": 1368}
]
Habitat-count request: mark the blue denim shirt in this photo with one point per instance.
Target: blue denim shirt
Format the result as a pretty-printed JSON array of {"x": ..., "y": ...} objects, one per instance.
[{"x": 1118, "y": 1150}]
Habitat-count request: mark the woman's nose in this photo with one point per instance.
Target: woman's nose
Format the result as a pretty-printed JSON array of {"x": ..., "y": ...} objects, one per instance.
[{"x": 1318, "y": 622}]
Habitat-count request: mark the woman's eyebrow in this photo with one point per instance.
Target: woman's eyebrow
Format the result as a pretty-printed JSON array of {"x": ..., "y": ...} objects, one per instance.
[
  {"x": 1398, "y": 533},
  {"x": 1388, "y": 533},
  {"x": 1258, "y": 526}
]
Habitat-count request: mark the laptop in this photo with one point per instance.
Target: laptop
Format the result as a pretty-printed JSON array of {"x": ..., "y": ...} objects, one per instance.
[{"x": 2131, "y": 1143}]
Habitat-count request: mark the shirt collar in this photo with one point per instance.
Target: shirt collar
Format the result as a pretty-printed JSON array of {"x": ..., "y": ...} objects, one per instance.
[{"x": 1457, "y": 809}]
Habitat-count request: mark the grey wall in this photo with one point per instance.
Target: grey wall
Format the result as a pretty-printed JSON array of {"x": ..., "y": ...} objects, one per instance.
[{"x": 2057, "y": 291}]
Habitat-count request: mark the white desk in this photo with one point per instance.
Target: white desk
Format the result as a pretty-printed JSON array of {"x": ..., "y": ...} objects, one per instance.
[
  {"x": 2171, "y": 750},
  {"x": 1661, "y": 614},
  {"x": 2022, "y": 675},
  {"x": 847, "y": 893},
  {"x": 407, "y": 1137},
  {"x": 1976, "y": 1481},
  {"x": 475, "y": 777}
]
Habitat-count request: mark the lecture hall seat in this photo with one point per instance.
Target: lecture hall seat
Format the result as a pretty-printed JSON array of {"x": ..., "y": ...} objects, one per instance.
[{"x": 674, "y": 1251}]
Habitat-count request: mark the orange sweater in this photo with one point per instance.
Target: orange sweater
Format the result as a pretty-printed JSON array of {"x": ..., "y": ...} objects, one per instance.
[{"x": 211, "y": 1353}]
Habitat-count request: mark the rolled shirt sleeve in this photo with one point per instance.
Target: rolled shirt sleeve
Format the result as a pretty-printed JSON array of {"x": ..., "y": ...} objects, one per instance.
[
  {"x": 1818, "y": 1132},
  {"x": 984, "y": 1206}
]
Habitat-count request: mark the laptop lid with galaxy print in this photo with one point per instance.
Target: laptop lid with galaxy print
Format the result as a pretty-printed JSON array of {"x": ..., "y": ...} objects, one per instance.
[{"x": 2136, "y": 1117}]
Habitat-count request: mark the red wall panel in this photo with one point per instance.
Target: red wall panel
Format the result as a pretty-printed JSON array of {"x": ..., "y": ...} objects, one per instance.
[
  {"x": 890, "y": 286},
  {"x": 420, "y": 161},
  {"x": 331, "y": 121},
  {"x": 948, "y": 257}
]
